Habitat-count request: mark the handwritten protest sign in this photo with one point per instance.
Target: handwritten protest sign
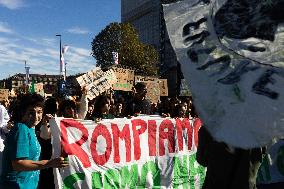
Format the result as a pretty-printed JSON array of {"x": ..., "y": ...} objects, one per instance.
[
  {"x": 153, "y": 87},
  {"x": 97, "y": 81},
  {"x": 39, "y": 89},
  {"x": 234, "y": 72},
  {"x": 111, "y": 77},
  {"x": 125, "y": 79},
  {"x": 163, "y": 83},
  {"x": 143, "y": 152},
  {"x": 4, "y": 94}
]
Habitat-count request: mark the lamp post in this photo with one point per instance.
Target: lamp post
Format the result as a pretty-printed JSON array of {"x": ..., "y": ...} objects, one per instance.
[
  {"x": 60, "y": 55},
  {"x": 61, "y": 83}
]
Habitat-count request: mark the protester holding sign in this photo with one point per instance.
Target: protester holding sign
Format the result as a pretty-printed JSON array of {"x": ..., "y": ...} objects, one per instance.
[
  {"x": 101, "y": 108},
  {"x": 21, "y": 165},
  {"x": 139, "y": 104},
  {"x": 46, "y": 178},
  {"x": 69, "y": 108},
  {"x": 118, "y": 109}
]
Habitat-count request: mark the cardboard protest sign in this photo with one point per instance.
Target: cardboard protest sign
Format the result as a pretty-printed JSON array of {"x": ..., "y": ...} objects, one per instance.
[
  {"x": 87, "y": 79},
  {"x": 125, "y": 79},
  {"x": 163, "y": 83},
  {"x": 234, "y": 66},
  {"x": 39, "y": 89},
  {"x": 96, "y": 81},
  {"x": 143, "y": 152},
  {"x": 4, "y": 94},
  {"x": 111, "y": 77},
  {"x": 153, "y": 87}
]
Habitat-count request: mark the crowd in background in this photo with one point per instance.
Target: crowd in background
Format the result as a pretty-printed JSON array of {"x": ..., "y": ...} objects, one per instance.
[{"x": 112, "y": 104}]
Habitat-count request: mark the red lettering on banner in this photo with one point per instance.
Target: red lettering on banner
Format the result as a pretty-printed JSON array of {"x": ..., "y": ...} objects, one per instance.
[
  {"x": 196, "y": 126},
  {"x": 182, "y": 125},
  {"x": 124, "y": 135},
  {"x": 136, "y": 133},
  {"x": 101, "y": 130},
  {"x": 169, "y": 135},
  {"x": 152, "y": 130},
  {"x": 75, "y": 148}
]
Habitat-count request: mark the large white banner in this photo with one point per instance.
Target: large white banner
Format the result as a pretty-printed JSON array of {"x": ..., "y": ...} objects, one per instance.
[
  {"x": 231, "y": 53},
  {"x": 142, "y": 152}
]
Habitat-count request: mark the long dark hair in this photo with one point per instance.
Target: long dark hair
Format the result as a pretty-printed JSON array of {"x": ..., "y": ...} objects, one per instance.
[
  {"x": 64, "y": 104},
  {"x": 99, "y": 104},
  {"x": 50, "y": 106}
]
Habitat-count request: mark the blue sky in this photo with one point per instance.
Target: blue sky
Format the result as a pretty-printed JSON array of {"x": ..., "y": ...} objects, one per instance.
[{"x": 28, "y": 31}]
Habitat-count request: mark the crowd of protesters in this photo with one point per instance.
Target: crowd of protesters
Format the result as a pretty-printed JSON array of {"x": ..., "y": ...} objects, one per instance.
[{"x": 26, "y": 138}]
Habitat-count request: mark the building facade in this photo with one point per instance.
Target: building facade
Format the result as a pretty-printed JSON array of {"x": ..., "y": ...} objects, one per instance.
[
  {"x": 17, "y": 82},
  {"x": 147, "y": 17}
]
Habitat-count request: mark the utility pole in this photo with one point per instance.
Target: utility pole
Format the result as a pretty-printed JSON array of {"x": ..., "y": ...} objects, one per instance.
[{"x": 61, "y": 63}]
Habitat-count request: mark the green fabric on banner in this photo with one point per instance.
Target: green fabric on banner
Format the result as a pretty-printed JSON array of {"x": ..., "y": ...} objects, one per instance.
[
  {"x": 180, "y": 172},
  {"x": 195, "y": 170},
  {"x": 97, "y": 180},
  {"x": 111, "y": 179},
  {"x": 72, "y": 179},
  {"x": 129, "y": 178},
  {"x": 154, "y": 169}
]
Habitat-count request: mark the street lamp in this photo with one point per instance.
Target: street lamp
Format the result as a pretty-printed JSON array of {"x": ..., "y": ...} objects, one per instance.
[{"x": 60, "y": 55}]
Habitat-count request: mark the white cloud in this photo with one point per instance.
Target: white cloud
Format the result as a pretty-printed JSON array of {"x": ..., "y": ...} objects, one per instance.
[
  {"x": 78, "y": 30},
  {"x": 12, "y": 4},
  {"x": 43, "y": 58},
  {"x": 4, "y": 28},
  {"x": 43, "y": 41},
  {"x": 81, "y": 51}
]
